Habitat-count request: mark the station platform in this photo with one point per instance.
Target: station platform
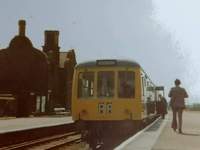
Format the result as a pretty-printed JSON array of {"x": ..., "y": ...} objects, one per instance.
[
  {"x": 160, "y": 136},
  {"x": 20, "y": 124}
]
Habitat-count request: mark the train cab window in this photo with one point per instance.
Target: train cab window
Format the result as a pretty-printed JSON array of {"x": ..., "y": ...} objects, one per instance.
[
  {"x": 126, "y": 84},
  {"x": 86, "y": 84},
  {"x": 105, "y": 84}
]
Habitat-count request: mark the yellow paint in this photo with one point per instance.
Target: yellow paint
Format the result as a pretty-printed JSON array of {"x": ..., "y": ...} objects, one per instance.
[{"x": 122, "y": 109}]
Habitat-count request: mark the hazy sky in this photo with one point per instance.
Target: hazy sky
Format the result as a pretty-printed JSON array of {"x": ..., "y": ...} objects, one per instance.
[
  {"x": 161, "y": 35},
  {"x": 181, "y": 19}
]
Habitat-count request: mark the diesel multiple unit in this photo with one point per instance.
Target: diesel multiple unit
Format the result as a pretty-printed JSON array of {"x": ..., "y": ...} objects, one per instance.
[{"x": 111, "y": 95}]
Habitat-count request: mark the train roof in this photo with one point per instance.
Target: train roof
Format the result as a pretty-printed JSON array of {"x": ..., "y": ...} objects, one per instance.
[
  {"x": 111, "y": 62},
  {"x": 108, "y": 63}
]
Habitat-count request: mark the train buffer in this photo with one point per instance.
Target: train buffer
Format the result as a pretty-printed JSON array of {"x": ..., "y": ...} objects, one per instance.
[{"x": 160, "y": 136}]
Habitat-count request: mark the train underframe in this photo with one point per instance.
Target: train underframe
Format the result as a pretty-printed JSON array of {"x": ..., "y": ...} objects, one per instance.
[{"x": 94, "y": 132}]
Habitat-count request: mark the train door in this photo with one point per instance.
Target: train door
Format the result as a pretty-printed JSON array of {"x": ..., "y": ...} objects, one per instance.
[{"x": 143, "y": 95}]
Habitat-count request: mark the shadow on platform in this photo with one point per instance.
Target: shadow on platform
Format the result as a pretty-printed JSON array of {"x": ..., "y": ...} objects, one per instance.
[{"x": 190, "y": 134}]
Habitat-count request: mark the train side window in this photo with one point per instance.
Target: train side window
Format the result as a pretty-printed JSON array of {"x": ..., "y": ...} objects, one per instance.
[
  {"x": 126, "y": 84},
  {"x": 105, "y": 84},
  {"x": 143, "y": 86},
  {"x": 85, "y": 84}
]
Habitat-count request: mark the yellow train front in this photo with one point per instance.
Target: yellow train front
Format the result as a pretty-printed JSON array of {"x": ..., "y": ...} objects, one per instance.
[{"x": 112, "y": 95}]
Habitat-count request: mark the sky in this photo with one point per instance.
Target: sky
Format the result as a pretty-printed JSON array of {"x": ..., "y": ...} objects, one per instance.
[
  {"x": 161, "y": 35},
  {"x": 181, "y": 19}
]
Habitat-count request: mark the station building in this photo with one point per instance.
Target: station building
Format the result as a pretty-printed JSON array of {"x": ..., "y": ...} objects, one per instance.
[{"x": 34, "y": 81}]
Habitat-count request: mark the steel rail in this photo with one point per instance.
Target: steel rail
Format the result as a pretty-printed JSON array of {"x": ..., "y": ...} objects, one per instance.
[{"x": 67, "y": 137}]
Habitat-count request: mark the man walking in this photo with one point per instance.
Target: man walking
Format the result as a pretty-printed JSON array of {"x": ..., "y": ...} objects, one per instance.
[{"x": 177, "y": 102}]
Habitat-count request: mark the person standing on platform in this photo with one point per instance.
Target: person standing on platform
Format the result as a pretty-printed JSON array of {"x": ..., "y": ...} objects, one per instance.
[
  {"x": 163, "y": 106},
  {"x": 177, "y": 95}
]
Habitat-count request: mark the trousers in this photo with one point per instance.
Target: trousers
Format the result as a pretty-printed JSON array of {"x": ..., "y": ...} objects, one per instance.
[{"x": 177, "y": 112}]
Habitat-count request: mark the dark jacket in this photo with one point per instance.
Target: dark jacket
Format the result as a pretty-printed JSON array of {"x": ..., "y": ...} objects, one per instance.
[{"x": 178, "y": 95}]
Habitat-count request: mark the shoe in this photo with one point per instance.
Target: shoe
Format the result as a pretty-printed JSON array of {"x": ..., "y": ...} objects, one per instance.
[
  {"x": 180, "y": 131},
  {"x": 174, "y": 129}
]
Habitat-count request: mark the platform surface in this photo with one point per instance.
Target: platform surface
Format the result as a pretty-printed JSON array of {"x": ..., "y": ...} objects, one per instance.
[
  {"x": 17, "y": 124},
  {"x": 160, "y": 135},
  {"x": 189, "y": 140}
]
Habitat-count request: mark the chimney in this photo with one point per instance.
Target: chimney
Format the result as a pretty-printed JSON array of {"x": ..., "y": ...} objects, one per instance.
[
  {"x": 51, "y": 39},
  {"x": 22, "y": 27},
  {"x": 51, "y": 47}
]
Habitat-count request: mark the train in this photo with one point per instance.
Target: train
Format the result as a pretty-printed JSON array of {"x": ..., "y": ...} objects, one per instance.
[{"x": 112, "y": 95}]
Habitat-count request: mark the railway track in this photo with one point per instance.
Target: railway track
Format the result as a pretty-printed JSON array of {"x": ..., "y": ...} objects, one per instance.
[
  {"x": 21, "y": 136},
  {"x": 71, "y": 138},
  {"x": 48, "y": 143}
]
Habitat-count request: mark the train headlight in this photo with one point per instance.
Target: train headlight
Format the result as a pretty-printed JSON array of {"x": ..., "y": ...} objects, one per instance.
[
  {"x": 127, "y": 111},
  {"x": 84, "y": 112}
]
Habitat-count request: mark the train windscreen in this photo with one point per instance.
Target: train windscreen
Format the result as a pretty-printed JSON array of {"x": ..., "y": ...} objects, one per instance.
[
  {"x": 105, "y": 84},
  {"x": 126, "y": 84},
  {"x": 86, "y": 84}
]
